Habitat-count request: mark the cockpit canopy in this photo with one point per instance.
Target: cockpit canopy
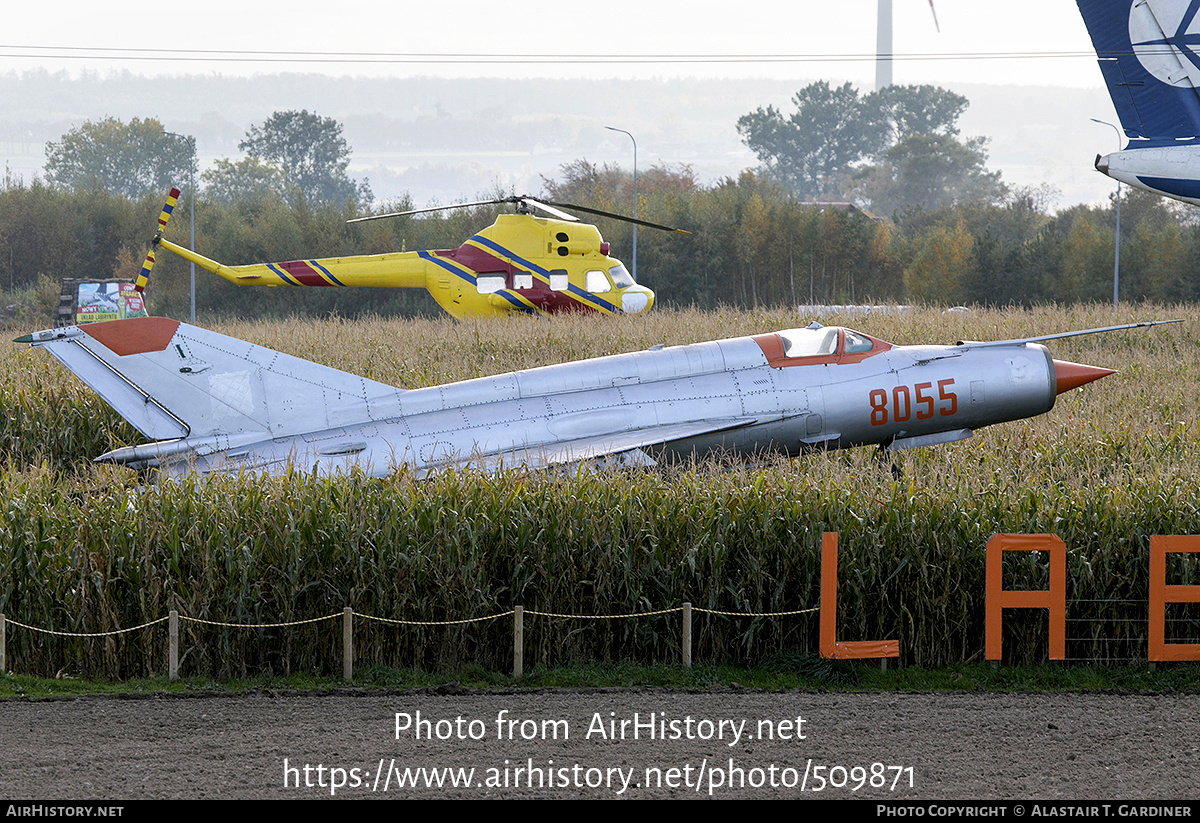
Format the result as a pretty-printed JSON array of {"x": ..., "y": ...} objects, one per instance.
[{"x": 818, "y": 344}]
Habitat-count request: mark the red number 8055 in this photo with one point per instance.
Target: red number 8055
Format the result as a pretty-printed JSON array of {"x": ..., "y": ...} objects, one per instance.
[{"x": 919, "y": 401}]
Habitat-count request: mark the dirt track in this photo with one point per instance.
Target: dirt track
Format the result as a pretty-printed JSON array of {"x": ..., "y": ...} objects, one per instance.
[{"x": 959, "y": 746}]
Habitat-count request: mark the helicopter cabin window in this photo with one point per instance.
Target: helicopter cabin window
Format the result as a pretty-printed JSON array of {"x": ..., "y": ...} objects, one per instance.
[
  {"x": 522, "y": 280},
  {"x": 597, "y": 282},
  {"x": 809, "y": 342},
  {"x": 559, "y": 280},
  {"x": 620, "y": 276},
  {"x": 489, "y": 283}
]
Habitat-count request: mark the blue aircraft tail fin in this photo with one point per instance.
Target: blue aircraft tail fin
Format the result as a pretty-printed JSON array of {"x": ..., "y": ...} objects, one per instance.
[{"x": 1147, "y": 54}]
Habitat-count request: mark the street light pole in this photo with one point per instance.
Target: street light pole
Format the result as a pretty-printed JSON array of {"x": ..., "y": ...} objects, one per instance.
[
  {"x": 191, "y": 142},
  {"x": 635, "y": 198},
  {"x": 1117, "y": 249}
]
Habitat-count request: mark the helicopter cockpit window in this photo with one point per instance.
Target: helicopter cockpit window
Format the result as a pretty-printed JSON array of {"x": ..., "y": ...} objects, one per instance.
[
  {"x": 523, "y": 280},
  {"x": 809, "y": 342},
  {"x": 489, "y": 283},
  {"x": 559, "y": 280},
  {"x": 597, "y": 282},
  {"x": 620, "y": 276},
  {"x": 856, "y": 342}
]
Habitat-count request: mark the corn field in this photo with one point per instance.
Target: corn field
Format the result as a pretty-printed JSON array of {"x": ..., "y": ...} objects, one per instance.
[{"x": 87, "y": 548}]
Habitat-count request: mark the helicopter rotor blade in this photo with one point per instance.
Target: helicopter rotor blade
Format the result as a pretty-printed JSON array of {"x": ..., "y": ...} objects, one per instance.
[
  {"x": 525, "y": 202},
  {"x": 430, "y": 209},
  {"x": 638, "y": 221},
  {"x": 144, "y": 275},
  {"x": 549, "y": 209}
]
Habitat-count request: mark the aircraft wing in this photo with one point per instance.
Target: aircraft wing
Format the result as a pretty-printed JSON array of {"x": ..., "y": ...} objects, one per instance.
[{"x": 607, "y": 445}]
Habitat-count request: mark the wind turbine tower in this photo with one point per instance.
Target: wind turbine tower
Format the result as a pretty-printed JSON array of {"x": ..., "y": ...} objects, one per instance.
[
  {"x": 883, "y": 45},
  {"x": 883, "y": 42}
]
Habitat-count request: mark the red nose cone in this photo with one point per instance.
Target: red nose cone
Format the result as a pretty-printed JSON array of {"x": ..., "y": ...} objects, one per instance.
[{"x": 1069, "y": 376}]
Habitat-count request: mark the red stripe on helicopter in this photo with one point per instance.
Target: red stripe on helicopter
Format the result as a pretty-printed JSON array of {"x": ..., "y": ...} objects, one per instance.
[
  {"x": 477, "y": 260},
  {"x": 303, "y": 273},
  {"x": 136, "y": 335}
]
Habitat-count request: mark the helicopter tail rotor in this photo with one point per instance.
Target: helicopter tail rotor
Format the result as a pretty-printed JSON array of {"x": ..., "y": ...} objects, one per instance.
[{"x": 144, "y": 275}]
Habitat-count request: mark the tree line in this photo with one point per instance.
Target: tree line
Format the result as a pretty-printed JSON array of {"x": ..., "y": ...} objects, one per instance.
[
  {"x": 805, "y": 227},
  {"x": 755, "y": 244}
]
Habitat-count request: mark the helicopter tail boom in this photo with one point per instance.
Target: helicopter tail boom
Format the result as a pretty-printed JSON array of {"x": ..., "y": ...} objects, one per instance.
[{"x": 396, "y": 270}]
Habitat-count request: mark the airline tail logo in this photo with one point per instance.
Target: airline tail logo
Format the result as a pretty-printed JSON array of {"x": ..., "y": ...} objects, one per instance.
[{"x": 1164, "y": 35}]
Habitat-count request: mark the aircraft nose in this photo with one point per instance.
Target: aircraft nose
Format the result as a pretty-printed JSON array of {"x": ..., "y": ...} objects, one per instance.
[
  {"x": 1069, "y": 375},
  {"x": 636, "y": 299}
]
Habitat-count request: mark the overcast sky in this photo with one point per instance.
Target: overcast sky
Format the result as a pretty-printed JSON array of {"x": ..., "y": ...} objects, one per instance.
[
  {"x": 1021, "y": 42},
  {"x": 837, "y": 40}
]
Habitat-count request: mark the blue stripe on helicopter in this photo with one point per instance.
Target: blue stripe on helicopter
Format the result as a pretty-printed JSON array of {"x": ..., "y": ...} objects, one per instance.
[
  {"x": 470, "y": 278},
  {"x": 325, "y": 272},
  {"x": 282, "y": 275},
  {"x": 573, "y": 290}
]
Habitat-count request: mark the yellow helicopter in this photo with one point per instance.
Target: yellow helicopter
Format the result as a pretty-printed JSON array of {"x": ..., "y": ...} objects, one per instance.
[{"x": 521, "y": 263}]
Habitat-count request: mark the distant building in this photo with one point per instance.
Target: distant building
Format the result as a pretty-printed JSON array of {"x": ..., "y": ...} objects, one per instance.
[{"x": 853, "y": 309}]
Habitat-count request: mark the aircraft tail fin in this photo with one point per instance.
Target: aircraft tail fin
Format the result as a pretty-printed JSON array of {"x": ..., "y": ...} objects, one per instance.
[
  {"x": 1148, "y": 64},
  {"x": 172, "y": 380}
]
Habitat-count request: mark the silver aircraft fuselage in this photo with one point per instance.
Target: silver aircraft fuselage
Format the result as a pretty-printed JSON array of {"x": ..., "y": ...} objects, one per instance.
[{"x": 211, "y": 403}]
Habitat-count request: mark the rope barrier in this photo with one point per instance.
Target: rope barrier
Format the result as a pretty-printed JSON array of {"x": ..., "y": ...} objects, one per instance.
[
  {"x": 757, "y": 614},
  {"x": 397, "y": 622},
  {"x": 347, "y": 615},
  {"x": 257, "y": 625},
  {"x": 605, "y": 616},
  {"x": 87, "y": 634}
]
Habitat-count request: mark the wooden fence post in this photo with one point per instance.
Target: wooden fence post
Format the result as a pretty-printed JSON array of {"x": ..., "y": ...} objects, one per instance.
[
  {"x": 518, "y": 641},
  {"x": 347, "y": 644},
  {"x": 687, "y": 635},
  {"x": 173, "y": 645}
]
